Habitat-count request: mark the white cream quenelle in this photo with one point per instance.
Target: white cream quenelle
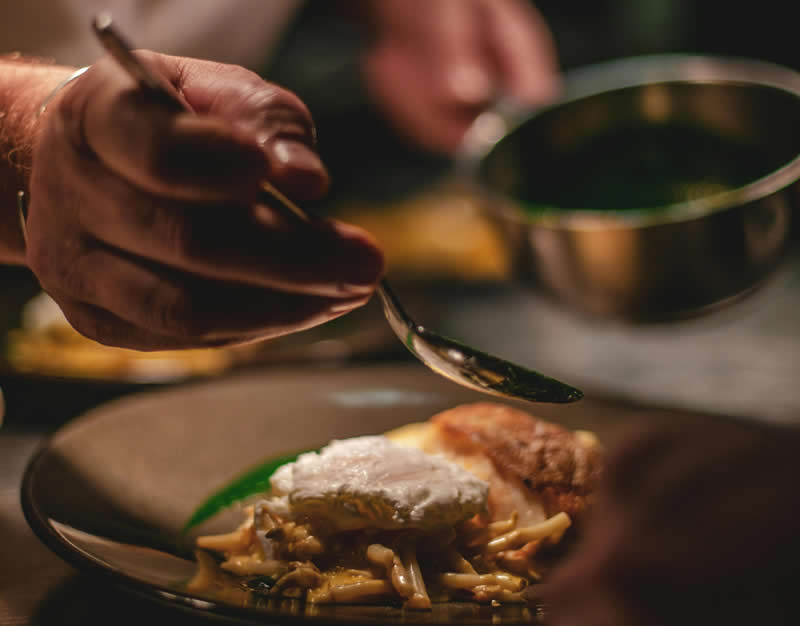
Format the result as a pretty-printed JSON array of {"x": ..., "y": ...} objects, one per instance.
[{"x": 371, "y": 482}]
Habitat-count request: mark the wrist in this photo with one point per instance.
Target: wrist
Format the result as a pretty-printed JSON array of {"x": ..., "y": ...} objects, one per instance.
[{"x": 24, "y": 85}]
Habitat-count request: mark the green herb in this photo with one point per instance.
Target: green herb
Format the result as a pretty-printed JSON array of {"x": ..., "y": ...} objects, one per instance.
[
  {"x": 250, "y": 483},
  {"x": 259, "y": 584}
]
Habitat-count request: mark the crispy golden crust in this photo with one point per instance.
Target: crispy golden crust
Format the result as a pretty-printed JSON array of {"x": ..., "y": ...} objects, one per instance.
[{"x": 552, "y": 462}]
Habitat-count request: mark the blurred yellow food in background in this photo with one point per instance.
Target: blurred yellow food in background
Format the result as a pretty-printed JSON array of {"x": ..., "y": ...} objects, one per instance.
[
  {"x": 47, "y": 345},
  {"x": 435, "y": 235}
]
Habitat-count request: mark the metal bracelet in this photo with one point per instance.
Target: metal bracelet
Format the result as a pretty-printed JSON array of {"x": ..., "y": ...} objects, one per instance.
[
  {"x": 22, "y": 200},
  {"x": 57, "y": 89},
  {"x": 22, "y": 208}
]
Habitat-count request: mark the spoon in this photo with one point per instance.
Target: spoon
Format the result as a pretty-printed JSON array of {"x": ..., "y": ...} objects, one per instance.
[{"x": 452, "y": 359}]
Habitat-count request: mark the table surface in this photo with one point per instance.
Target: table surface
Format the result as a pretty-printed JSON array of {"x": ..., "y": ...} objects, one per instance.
[{"x": 37, "y": 587}]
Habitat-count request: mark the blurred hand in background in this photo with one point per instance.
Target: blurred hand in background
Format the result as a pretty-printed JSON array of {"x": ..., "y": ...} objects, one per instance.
[{"x": 435, "y": 64}]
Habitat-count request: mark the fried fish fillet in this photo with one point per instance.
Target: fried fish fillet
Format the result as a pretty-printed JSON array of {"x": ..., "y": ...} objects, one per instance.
[{"x": 532, "y": 466}]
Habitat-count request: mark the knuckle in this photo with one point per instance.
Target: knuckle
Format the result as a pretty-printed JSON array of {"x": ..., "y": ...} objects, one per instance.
[
  {"x": 178, "y": 235},
  {"x": 290, "y": 121},
  {"x": 63, "y": 269},
  {"x": 230, "y": 76},
  {"x": 166, "y": 226},
  {"x": 172, "y": 312},
  {"x": 247, "y": 78},
  {"x": 77, "y": 283},
  {"x": 278, "y": 112},
  {"x": 157, "y": 160},
  {"x": 118, "y": 206}
]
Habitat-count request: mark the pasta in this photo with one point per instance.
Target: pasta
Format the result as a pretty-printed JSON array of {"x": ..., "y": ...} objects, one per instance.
[{"x": 411, "y": 567}]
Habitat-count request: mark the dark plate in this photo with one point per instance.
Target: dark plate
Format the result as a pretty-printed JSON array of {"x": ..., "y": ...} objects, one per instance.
[{"x": 110, "y": 491}]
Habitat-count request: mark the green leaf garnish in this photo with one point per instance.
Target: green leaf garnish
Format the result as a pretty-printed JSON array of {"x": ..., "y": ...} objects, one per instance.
[
  {"x": 248, "y": 484},
  {"x": 259, "y": 584}
]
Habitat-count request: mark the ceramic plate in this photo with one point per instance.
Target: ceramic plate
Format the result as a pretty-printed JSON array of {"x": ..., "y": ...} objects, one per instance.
[{"x": 110, "y": 491}]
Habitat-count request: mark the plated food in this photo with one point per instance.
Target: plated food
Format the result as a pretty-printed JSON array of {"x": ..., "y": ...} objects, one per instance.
[{"x": 472, "y": 505}]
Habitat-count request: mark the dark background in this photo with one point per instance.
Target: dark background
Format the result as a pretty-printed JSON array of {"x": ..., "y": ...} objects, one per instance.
[{"x": 319, "y": 60}]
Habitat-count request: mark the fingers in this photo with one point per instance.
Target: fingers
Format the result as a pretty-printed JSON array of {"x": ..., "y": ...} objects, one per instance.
[
  {"x": 180, "y": 189},
  {"x": 437, "y": 65},
  {"x": 295, "y": 169},
  {"x": 398, "y": 81},
  {"x": 227, "y": 242},
  {"x": 144, "y": 222},
  {"x": 429, "y": 70},
  {"x": 523, "y": 51},
  {"x": 278, "y": 119},
  {"x": 131, "y": 303},
  {"x": 108, "y": 329},
  {"x": 259, "y": 132},
  {"x": 168, "y": 153}
]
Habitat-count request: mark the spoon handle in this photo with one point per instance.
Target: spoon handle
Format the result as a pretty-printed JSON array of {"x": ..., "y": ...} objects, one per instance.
[{"x": 121, "y": 51}]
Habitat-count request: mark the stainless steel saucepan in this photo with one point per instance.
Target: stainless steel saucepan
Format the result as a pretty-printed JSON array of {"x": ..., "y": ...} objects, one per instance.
[{"x": 663, "y": 259}]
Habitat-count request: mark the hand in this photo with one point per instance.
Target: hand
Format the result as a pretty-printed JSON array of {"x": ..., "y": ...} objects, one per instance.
[
  {"x": 144, "y": 222},
  {"x": 436, "y": 64},
  {"x": 697, "y": 524}
]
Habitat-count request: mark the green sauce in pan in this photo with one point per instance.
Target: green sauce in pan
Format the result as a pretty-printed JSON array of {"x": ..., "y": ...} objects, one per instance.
[{"x": 645, "y": 167}]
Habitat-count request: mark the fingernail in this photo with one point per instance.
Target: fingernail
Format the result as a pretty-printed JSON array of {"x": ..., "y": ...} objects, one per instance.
[
  {"x": 297, "y": 170},
  {"x": 296, "y": 155},
  {"x": 348, "y": 305},
  {"x": 352, "y": 289},
  {"x": 359, "y": 259},
  {"x": 360, "y": 274}
]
